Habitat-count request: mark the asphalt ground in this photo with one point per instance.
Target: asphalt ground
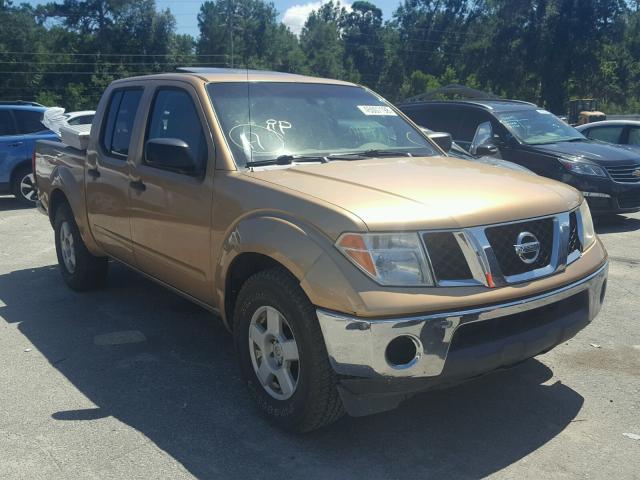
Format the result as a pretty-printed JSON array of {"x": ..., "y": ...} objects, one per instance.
[{"x": 135, "y": 382}]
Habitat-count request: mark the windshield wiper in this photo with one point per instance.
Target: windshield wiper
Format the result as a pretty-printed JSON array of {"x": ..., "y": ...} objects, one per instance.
[
  {"x": 288, "y": 160},
  {"x": 370, "y": 154}
]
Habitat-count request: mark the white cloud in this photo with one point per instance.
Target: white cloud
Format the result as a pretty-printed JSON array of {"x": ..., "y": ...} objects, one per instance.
[{"x": 295, "y": 16}]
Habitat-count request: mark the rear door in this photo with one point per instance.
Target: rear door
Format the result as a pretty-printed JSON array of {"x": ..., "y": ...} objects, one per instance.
[
  {"x": 171, "y": 212},
  {"x": 12, "y": 145},
  {"x": 108, "y": 171}
]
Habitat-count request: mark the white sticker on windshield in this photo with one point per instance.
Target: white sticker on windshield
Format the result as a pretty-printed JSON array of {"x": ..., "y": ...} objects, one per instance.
[
  {"x": 377, "y": 110},
  {"x": 544, "y": 112}
]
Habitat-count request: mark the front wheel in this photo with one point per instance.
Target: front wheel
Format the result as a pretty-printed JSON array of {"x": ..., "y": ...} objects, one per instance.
[
  {"x": 282, "y": 354},
  {"x": 80, "y": 269}
]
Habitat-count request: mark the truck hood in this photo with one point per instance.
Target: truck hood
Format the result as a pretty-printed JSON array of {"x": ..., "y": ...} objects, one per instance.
[
  {"x": 426, "y": 192},
  {"x": 598, "y": 152}
]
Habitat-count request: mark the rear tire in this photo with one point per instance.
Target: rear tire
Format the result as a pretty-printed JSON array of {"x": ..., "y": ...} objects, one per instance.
[
  {"x": 23, "y": 186},
  {"x": 80, "y": 269},
  {"x": 310, "y": 398}
]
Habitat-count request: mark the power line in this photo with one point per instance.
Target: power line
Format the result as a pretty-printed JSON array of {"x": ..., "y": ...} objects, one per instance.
[{"x": 112, "y": 54}]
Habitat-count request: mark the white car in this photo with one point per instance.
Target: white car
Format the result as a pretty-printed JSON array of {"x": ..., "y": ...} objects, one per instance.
[
  {"x": 625, "y": 133},
  {"x": 84, "y": 117}
]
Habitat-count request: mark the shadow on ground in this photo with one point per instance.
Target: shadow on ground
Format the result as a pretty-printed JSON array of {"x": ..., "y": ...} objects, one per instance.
[
  {"x": 11, "y": 203},
  {"x": 180, "y": 388},
  {"x": 616, "y": 224}
]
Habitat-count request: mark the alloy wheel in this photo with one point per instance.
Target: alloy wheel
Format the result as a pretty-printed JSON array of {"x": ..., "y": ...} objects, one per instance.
[
  {"x": 28, "y": 187},
  {"x": 274, "y": 353},
  {"x": 67, "y": 247}
]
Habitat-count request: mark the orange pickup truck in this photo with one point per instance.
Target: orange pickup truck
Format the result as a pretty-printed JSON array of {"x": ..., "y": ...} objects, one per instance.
[{"x": 353, "y": 261}]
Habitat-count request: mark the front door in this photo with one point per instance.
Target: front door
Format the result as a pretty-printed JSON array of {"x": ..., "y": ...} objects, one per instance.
[
  {"x": 107, "y": 175},
  {"x": 171, "y": 210}
]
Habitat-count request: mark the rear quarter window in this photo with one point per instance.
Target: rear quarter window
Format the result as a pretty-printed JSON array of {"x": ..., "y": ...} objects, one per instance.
[{"x": 29, "y": 121}]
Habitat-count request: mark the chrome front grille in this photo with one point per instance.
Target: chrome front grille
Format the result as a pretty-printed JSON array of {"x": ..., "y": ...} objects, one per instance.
[
  {"x": 491, "y": 255},
  {"x": 625, "y": 173},
  {"x": 447, "y": 259},
  {"x": 503, "y": 239}
]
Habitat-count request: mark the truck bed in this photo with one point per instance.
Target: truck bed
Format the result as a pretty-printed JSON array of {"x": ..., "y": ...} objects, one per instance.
[{"x": 59, "y": 164}]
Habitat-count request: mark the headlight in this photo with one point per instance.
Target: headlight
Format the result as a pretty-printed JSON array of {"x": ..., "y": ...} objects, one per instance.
[
  {"x": 396, "y": 259},
  {"x": 588, "y": 231},
  {"x": 582, "y": 168}
]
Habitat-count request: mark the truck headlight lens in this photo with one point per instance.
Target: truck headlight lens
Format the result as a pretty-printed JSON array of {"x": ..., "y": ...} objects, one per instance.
[
  {"x": 391, "y": 259},
  {"x": 588, "y": 231},
  {"x": 582, "y": 168}
]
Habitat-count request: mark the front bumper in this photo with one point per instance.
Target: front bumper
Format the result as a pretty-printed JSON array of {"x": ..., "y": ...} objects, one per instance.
[
  {"x": 358, "y": 347},
  {"x": 606, "y": 196}
]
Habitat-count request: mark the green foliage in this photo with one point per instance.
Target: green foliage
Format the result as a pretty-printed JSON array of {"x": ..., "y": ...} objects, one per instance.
[{"x": 546, "y": 51}]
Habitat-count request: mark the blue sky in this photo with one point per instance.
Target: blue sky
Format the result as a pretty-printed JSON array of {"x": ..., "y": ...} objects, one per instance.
[{"x": 292, "y": 12}]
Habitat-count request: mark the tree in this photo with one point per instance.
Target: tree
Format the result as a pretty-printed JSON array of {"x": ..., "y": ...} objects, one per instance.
[{"x": 321, "y": 41}]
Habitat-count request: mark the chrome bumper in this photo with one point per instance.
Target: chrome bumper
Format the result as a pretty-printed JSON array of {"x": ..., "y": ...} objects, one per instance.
[{"x": 357, "y": 346}]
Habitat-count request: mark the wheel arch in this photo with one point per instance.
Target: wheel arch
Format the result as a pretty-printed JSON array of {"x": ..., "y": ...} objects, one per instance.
[
  {"x": 56, "y": 198},
  {"x": 259, "y": 243}
]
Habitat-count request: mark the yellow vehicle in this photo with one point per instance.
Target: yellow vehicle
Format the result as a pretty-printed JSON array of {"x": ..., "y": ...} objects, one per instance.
[
  {"x": 355, "y": 263},
  {"x": 583, "y": 111}
]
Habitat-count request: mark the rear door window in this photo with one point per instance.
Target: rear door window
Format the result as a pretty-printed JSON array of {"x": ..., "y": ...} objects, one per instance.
[
  {"x": 121, "y": 115},
  {"x": 436, "y": 118},
  {"x": 29, "y": 121},
  {"x": 6, "y": 123},
  {"x": 606, "y": 134}
]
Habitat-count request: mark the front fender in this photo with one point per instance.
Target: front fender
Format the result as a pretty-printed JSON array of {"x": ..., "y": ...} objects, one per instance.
[{"x": 299, "y": 247}]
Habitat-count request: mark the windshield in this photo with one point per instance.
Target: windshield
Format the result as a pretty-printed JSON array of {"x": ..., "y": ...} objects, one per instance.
[
  {"x": 266, "y": 120},
  {"x": 537, "y": 126}
]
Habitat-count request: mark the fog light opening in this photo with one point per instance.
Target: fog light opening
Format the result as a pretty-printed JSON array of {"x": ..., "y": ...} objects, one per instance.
[
  {"x": 603, "y": 291},
  {"x": 402, "y": 352}
]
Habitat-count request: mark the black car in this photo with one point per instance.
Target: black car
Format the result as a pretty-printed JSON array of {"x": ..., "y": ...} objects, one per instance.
[{"x": 607, "y": 175}]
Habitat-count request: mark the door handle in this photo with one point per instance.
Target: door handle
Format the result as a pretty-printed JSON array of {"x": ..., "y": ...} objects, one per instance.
[
  {"x": 93, "y": 172},
  {"x": 137, "y": 185},
  {"x": 15, "y": 144}
]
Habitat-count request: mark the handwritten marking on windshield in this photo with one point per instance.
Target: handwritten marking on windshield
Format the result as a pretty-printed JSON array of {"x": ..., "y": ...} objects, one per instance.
[
  {"x": 254, "y": 138},
  {"x": 282, "y": 125}
]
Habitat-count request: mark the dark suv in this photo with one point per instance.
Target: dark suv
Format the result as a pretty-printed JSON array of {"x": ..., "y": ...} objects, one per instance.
[
  {"x": 20, "y": 127},
  {"x": 520, "y": 132}
]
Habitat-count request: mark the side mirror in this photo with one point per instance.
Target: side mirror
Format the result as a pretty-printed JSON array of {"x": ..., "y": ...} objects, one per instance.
[
  {"x": 442, "y": 139},
  {"x": 487, "y": 149},
  {"x": 170, "y": 153}
]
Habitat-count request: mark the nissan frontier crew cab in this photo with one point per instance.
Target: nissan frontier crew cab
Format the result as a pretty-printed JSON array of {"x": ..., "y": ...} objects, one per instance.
[{"x": 355, "y": 263}]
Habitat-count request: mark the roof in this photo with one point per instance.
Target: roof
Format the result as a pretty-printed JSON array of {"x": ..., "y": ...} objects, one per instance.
[
  {"x": 453, "y": 89},
  {"x": 20, "y": 106},
  {"x": 238, "y": 75},
  {"x": 488, "y": 104},
  {"x": 20, "y": 102},
  {"x": 609, "y": 123}
]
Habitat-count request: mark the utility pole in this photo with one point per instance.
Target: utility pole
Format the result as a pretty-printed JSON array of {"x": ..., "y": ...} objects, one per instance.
[{"x": 230, "y": 15}]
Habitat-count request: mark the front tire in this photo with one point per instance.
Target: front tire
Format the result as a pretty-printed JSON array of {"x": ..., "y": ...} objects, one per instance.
[
  {"x": 282, "y": 353},
  {"x": 80, "y": 269}
]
